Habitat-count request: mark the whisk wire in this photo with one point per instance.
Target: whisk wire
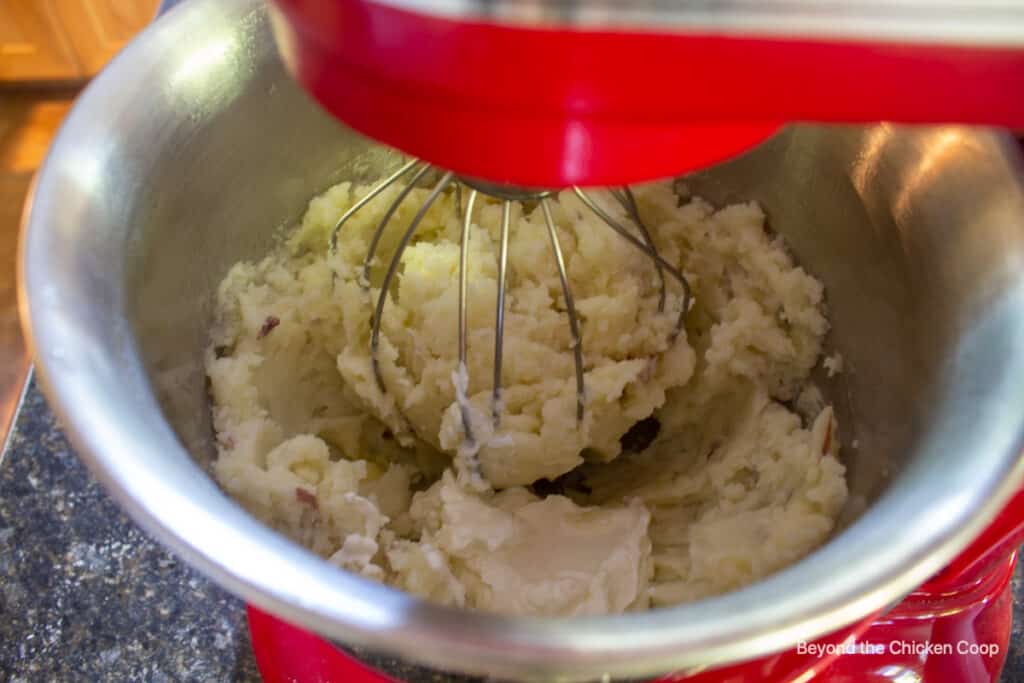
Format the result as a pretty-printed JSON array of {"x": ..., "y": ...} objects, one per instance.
[
  {"x": 499, "y": 324},
  {"x": 647, "y": 249},
  {"x": 393, "y": 268},
  {"x": 570, "y": 308},
  {"x": 376, "y": 190},
  {"x": 463, "y": 372},
  {"x": 628, "y": 201},
  {"x": 379, "y": 232}
]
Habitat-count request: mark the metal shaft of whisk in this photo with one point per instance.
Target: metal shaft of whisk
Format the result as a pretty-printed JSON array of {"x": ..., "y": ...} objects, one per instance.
[
  {"x": 628, "y": 202},
  {"x": 463, "y": 369},
  {"x": 499, "y": 318},
  {"x": 393, "y": 268},
  {"x": 653, "y": 253},
  {"x": 377, "y": 189},
  {"x": 570, "y": 308}
]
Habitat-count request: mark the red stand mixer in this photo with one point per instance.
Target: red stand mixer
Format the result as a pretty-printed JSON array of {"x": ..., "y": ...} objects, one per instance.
[
  {"x": 955, "y": 628},
  {"x": 550, "y": 94}
]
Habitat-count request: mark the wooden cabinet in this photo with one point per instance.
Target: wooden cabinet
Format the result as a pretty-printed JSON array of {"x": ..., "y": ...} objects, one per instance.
[
  {"x": 66, "y": 40},
  {"x": 98, "y": 29},
  {"x": 32, "y": 44}
]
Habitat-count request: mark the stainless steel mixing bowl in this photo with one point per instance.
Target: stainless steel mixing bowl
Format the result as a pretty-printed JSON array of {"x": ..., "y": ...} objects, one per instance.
[{"x": 193, "y": 148}]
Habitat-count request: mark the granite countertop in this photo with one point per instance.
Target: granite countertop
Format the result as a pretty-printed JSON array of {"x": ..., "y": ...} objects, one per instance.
[{"x": 85, "y": 595}]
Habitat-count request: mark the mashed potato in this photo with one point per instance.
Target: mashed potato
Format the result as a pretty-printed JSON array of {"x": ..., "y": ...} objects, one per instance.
[{"x": 541, "y": 515}]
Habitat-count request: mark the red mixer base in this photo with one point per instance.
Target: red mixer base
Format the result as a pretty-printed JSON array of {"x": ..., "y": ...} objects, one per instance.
[{"x": 939, "y": 634}]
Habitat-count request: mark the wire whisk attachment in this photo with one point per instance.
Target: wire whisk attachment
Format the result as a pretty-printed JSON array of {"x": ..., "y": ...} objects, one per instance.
[{"x": 414, "y": 171}]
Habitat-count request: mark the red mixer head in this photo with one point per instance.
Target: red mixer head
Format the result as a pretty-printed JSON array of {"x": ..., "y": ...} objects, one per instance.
[{"x": 554, "y": 93}]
